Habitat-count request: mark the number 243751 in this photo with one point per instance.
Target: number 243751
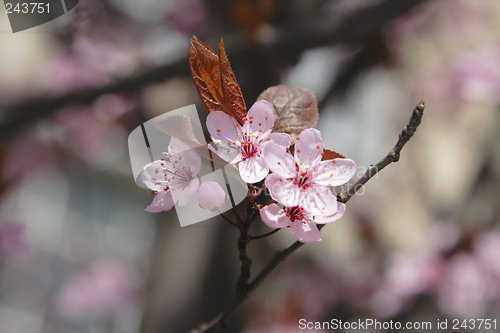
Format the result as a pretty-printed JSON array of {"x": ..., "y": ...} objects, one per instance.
[{"x": 24, "y": 8}]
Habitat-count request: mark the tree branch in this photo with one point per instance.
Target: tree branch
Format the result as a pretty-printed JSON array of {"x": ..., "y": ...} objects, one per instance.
[
  {"x": 392, "y": 157},
  {"x": 222, "y": 320}
]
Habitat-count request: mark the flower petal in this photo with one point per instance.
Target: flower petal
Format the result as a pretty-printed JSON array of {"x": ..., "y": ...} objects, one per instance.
[
  {"x": 279, "y": 161},
  {"x": 334, "y": 172},
  {"x": 305, "y": 232},
  {"x": 320, "y": 201},
  {"x": 183, "y": 195},
  {"x": 331, "y": 218},
  {"x": 274, "y": 217},
  {"x": 222, "y": 127},
  {"x": 211, "y": 195},
  {"x": 162, "y": 202},
  {"x": 153, "y": 175},
  {"x": 308, "y": 147},
  {"x": 280, "y": 139},
  {"x": 231, "y": 154},
  {"x": 253, "y": 169},
  {"x": 260, "y": 119},
  {"x": 283, "y": 190},
  {"x": 188, "y": 159}
]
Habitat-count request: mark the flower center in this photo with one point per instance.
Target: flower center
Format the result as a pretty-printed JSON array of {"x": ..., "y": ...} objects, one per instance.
[
  {"x": 249, "y": 146},
  {"x": 178, "y": 171},
  {"x": 248, "y": 149},
  {"x": 295, "y": 213},
  {"x": 303, "y": 178}
]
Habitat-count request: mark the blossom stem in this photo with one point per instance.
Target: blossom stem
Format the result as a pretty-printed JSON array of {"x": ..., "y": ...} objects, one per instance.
[
  {"x": 264, "y": 235},
  {"x": 235, "y": 213},
  {"x": 222, "y": 320},
  {"x": 230, "y": 222},
  {"x": 246, "y": 262}
]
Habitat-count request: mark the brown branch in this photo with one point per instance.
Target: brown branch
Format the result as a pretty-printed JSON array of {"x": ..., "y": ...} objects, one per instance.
[
  {"x": 246, "y": 262},
  {"x": 354, "y": 29},
  {"x": 392, "y": 157},
  {"x": 222, "y": 320}
]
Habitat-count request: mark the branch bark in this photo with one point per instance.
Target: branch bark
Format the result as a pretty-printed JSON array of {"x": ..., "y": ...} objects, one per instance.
[{"x": 222, "y": 320}]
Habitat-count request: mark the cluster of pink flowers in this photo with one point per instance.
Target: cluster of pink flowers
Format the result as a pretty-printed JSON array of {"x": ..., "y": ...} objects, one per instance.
[{"x": 300, "y": 183}]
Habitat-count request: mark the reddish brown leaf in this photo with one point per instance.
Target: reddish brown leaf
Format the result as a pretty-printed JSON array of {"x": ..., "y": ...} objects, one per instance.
[
  {"x": 205, "y": 71},
  {"x": 330, "y": 155},
  {"x": 215, "y": 81},
  {"x": 230, "y": 88},
  {"x": 295, "y": 109}
]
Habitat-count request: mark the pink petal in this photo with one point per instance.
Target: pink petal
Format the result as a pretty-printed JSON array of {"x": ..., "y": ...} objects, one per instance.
[
  {"x": 308, "y": 147},
  {"x": 305, "y": 232},
  {"x": 176, "y": 146},
  {"x": 279, "y": 161},
  {"x": 253, "y": 169},
  {"x": 162, "y": 202},
  {"x": 222, "y": 127},
  {"x": 283, "y": 190},
  {"x": 230, "y": 154},
  {"x": 153, "y": 175},
  {"x": 320, "y": 201},
  {"x": 184, "y": 195},
  {"x": 260, "y": 119},
  {"x": 211, "y": 195},
  {"x": 280, "y": 139},
  {"x": 274, "y": 217},
  {"x": 188, "y": 158},
  {"x": 334, "y": 172},
  {"x": 331, "y": 218},
  {"x": 181, "y": 128}
]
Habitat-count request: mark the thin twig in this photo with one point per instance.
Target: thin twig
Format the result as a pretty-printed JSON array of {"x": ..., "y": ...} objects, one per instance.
[
  {"x": 230, "y": 222},
  {"x": 223, "y": 319},
  {"x": 264, "y": 235},
  {"x": 392, "y": 157}
]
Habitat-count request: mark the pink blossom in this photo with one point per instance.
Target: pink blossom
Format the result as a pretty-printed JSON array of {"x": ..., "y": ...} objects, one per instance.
[
  {"x": 174, "y": 180},
  {"x": 306, "y": 179},
  {"x": 302, "y": 223},
  {"x": 12, "y": 242},
  {"x": 465, "y": 290},
  {"x": 244, "y": 144}
]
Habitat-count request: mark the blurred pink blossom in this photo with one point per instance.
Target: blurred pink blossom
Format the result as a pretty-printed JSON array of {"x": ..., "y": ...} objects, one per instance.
[
  {"x": 20, "y": 156},
  {"x": 12, "y": 241},
  {"x": 406, "y": 277},
  {"x": 487, "y": 250},
  {"x": 102, "y": 291},
  {"x": 465, "y": 290}
]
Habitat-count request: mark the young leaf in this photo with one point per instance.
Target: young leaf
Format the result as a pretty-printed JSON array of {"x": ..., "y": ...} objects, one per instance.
[
  {"x": 330, "y": 155},
  {"x": 295, "y": 109},
  {"x": 230, "y": 88},
  {"x": 205, "y": 71},
  {"x": 215, "y": 81}
]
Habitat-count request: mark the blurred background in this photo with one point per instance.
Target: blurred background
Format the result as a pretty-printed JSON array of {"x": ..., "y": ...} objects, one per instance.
[{"x": 420, "y": 242}]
